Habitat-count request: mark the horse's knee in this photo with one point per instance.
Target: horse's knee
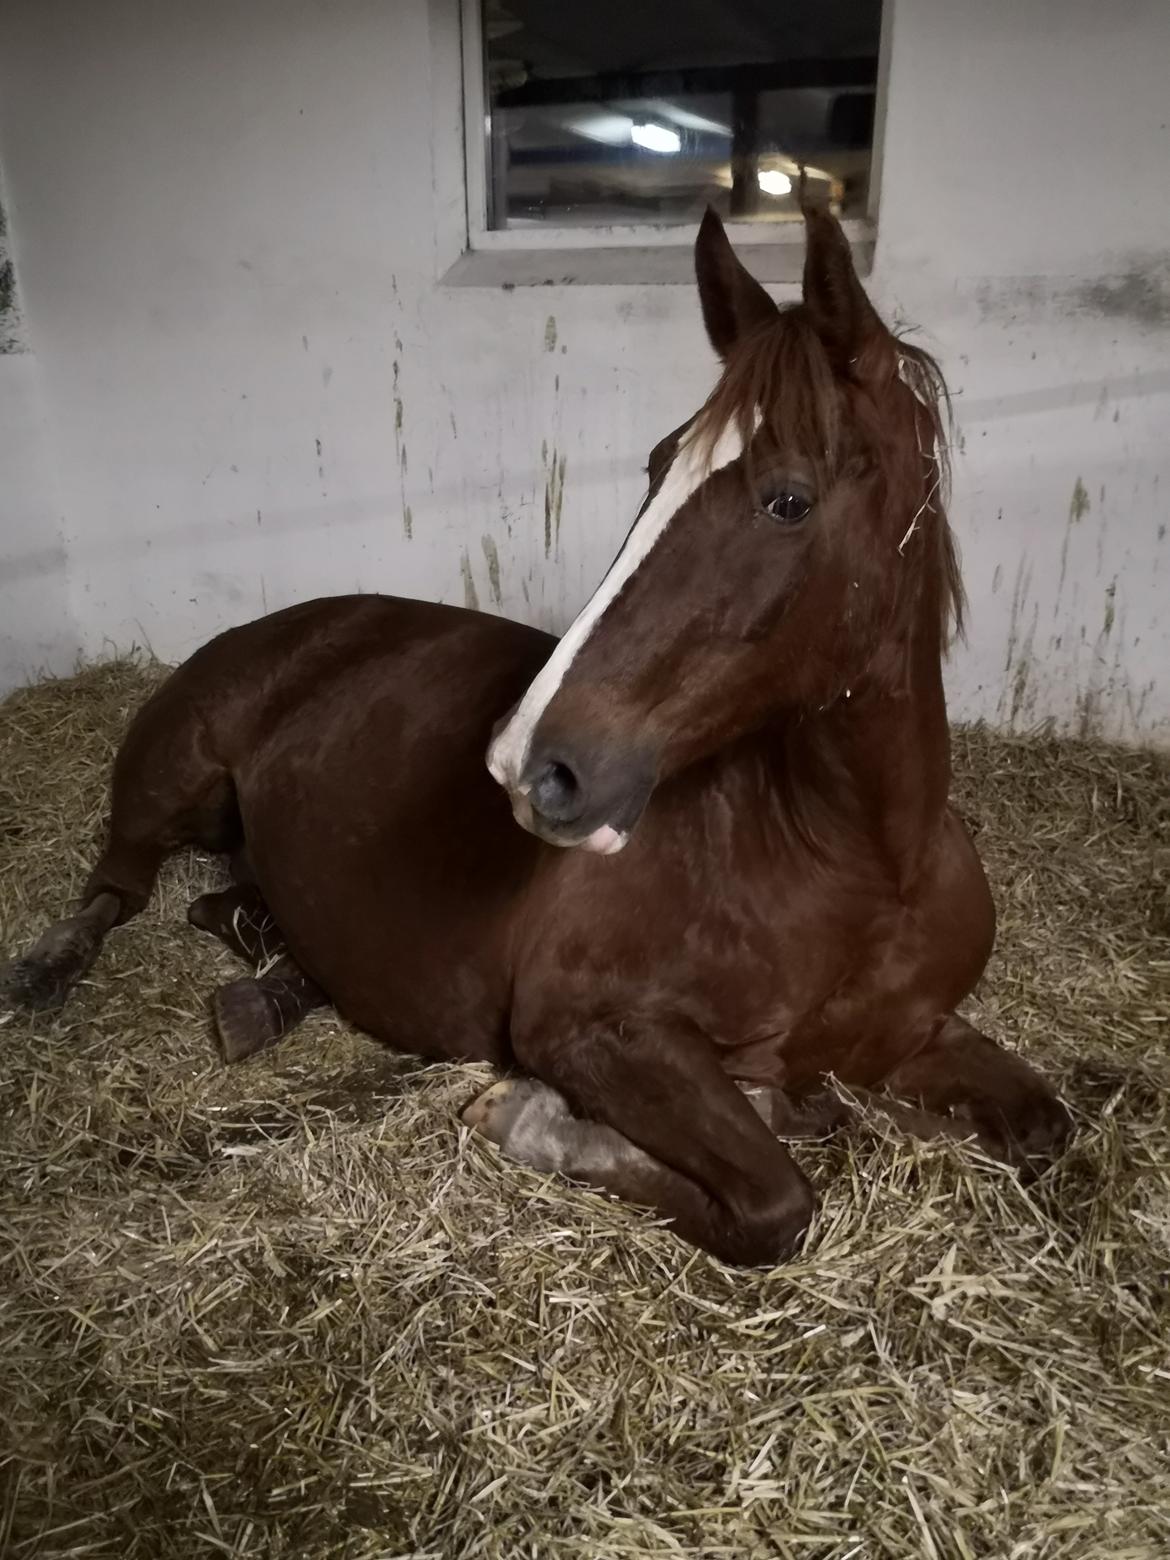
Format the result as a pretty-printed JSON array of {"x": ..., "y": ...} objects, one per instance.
[{"x": 768, "y": 1227}]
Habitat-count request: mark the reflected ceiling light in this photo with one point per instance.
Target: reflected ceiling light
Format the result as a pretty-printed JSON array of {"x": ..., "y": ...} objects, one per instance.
[
  {"x": 773, "y": 182},
  {"x": 656, "y": 138},
  {"x": 608, "y": 129}
]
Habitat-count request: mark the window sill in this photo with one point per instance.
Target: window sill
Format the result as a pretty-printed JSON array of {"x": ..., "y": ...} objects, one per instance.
[{"x": 631, "y": 266}]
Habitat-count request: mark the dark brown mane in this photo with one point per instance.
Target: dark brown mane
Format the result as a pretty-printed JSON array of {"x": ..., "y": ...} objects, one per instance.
[{"x": 783, "y": 372}]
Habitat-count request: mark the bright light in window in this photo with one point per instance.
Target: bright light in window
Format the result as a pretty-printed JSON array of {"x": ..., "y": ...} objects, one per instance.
[
  {"x": 773, "y": 182},
  {"x": 656, "y": 138}
]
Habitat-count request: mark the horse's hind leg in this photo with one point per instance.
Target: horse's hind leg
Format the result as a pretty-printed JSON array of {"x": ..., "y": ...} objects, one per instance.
[
  {"x": 241, "y": 920},
  {"x": 40, "y": 978},
  {"x": 253, "y": 1014},
  {"x": 168, "y": 790}
]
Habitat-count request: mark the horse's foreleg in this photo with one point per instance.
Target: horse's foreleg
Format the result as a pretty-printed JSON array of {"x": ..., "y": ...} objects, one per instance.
[
  {"x": 251, "y": 1015},
  {"x": 647, "y": 1113},
  {"x": 969, "y": 1086}
]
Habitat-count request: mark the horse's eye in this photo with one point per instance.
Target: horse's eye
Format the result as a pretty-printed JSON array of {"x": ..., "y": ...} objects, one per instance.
[{"x": 789, "y": 508}]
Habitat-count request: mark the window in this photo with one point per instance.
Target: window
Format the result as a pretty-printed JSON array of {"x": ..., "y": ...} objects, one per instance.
[{"x": 603, "y": 123}]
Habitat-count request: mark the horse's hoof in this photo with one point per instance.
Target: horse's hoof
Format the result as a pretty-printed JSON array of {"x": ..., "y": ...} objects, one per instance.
[
  {"x": 244, "y": 1020},
  {"x": 488, "y": 1106},
  {"x": 37, "y": 985},
  {"x": 1040, "y": 1137},
  {"x": 523, "y": 1117}
]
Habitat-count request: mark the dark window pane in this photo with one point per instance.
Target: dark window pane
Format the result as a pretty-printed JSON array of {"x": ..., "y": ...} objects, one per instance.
[{"x": 611, "y": 112}]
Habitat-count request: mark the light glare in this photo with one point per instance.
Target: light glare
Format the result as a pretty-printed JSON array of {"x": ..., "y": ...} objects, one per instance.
[
  {"x": 773, "y": 182},
  {"x": 656, "y": 138}
]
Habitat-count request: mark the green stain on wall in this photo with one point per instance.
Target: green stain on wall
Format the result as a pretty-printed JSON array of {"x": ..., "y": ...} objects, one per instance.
[
  {"x": 492, "y": 557},
  {"x": 554, "y": 496},
  {"x": 470, "y": 594},
  {"x": 1080, "y": 504}
]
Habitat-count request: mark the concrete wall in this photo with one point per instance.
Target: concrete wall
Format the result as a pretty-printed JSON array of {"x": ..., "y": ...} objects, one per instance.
[
  {"x": 230, "y": 226},
  {"x": 37, "y": 630}
]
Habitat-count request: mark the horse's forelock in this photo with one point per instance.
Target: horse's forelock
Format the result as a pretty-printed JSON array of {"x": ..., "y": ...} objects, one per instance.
[{"x": 781, "y": 375}]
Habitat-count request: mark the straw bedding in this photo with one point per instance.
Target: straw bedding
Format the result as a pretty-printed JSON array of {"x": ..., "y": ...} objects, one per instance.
[{"x": 291, "y": 1309}]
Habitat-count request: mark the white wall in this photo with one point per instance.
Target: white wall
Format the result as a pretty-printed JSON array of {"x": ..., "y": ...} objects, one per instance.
[
  {"x": 37, "y": 631},
  {"x": 230, "y": 221}
]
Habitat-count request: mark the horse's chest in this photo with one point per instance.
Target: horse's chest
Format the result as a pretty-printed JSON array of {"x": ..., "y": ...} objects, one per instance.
[
  {"x": 763, "y": 961},
  {"x": 745, "y": 955}
]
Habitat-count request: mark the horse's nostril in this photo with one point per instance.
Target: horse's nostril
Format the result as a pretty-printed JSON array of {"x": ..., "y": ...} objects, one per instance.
[{"x": 556, "y": 792}]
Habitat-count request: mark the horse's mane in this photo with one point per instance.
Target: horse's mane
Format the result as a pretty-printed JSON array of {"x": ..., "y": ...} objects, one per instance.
[{"x": 782, "y": 373}]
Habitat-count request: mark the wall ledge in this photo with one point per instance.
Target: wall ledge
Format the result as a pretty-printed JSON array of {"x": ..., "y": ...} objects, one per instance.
[{"x": 627, "y": 266}]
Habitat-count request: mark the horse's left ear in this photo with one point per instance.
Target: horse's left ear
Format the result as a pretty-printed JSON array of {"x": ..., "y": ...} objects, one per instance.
[
  {"x": 733, "y": 301},
  {"x": 842, "y": 315}
]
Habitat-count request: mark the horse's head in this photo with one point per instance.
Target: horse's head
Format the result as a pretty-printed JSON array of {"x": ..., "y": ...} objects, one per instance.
[{"x": 792, "y": 538}]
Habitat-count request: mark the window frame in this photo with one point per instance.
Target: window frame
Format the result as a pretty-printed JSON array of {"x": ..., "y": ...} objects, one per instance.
[{"x": 654, "y": 252}]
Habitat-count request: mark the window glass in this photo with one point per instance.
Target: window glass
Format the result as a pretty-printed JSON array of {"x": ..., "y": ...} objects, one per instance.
[{"x": 614, "y": 113}]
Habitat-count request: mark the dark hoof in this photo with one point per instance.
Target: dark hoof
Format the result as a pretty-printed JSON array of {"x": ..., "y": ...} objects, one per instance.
[
  {"x": 245, "y": 1020},
  {"x": 1033, "y": 1138},
  {"x": 1044, "y": 1137},
  {"x": 40, "y": 985}
]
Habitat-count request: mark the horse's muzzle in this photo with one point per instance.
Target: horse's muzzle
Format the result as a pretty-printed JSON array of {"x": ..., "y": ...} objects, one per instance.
[{"x": 569, "y": 798}]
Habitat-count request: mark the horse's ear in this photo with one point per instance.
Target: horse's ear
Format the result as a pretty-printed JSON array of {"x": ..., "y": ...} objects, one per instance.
[
  {"x": 841, "y": 314},
  {"x": 733, "y": 301}
]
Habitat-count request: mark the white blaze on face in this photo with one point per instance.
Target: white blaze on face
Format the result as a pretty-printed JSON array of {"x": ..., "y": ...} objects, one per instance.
[{"x": 690, "y": 468}]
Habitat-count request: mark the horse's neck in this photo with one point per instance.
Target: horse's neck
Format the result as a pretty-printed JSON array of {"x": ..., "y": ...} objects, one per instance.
[{"x": 876, "y": 763}]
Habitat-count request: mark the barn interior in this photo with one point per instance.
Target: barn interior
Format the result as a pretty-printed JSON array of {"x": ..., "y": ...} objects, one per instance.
[{"x": 314, "y": 296}]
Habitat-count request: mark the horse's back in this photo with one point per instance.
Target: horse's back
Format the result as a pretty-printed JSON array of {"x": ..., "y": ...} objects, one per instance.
[{"x": 248, "y": 677}]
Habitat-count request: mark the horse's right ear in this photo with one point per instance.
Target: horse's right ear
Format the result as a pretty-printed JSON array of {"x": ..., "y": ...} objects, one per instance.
[
  {"x": 837, "y": 305},
  {"x": 733, "y": 301}
]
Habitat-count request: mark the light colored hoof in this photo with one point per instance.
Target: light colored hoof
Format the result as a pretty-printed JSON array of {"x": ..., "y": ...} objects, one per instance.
[
  {"x": 504, "y": 1102},
  {"x": 525, "y": 1118},
  {"x": 484, "y": 1106}
]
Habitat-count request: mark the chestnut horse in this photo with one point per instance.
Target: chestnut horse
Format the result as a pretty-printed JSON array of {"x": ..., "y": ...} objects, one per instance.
[{"x": 744, "y": 737}]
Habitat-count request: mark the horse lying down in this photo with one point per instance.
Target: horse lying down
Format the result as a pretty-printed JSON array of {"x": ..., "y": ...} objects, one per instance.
[{"x": 709, "y": 860}]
